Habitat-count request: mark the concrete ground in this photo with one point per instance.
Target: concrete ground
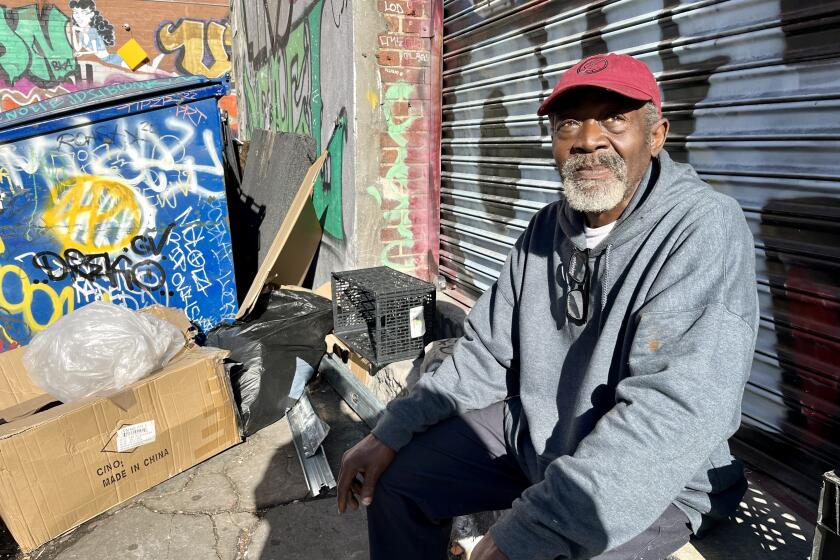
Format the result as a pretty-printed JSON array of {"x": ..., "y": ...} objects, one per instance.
[{"x": 251, "y": 502}]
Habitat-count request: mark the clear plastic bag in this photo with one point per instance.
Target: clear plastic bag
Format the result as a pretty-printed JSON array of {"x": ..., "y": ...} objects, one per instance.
[{"x": 98, "y": 350}]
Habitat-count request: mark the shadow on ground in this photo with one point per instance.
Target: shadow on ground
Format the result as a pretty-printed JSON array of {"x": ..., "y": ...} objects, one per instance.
[
  {"x": 761, "y": 528},
  {"x": 251, "y": 503}
]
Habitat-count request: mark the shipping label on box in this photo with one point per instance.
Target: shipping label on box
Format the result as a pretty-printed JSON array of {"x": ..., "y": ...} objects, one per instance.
[{"x": 134, "y": 435}]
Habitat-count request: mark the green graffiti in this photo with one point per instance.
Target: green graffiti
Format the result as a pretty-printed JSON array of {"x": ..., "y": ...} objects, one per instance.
[
  {"x": 274, "y": 92},
  {"x": 275, "y": 99},
  {"x": 371, "y": 190},
  {"x": 308, "y": 45},
  {"x": 327, "y": 202},
  {"x": 395, "y": 185},
  {"x": 37, "y": 47}
]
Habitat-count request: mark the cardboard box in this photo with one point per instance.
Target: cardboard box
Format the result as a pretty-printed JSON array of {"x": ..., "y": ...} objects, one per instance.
[
  {"x": 362, "y": 368},
  {"x": 64, "y": 465}
]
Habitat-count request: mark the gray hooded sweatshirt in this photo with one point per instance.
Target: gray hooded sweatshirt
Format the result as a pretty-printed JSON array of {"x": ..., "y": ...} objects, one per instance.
[{"x": 617, "y": 417}]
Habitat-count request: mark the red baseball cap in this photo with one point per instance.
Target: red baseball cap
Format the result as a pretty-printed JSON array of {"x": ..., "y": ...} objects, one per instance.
[{"x": 620, "y": 73}]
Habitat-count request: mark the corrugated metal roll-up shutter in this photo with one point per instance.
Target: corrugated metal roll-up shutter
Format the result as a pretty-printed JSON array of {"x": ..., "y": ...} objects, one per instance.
[{"x": 752, "y": 90}]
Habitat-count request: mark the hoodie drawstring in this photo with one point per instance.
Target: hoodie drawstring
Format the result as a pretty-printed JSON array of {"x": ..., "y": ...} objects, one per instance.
[{"x": 605, "y": 286}]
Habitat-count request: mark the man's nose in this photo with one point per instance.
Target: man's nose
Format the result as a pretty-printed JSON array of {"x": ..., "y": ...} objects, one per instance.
[{"x": 590, "y": 137}]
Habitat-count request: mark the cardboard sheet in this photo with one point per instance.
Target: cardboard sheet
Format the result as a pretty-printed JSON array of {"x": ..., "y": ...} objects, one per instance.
[{"x": 291, "y": 253}]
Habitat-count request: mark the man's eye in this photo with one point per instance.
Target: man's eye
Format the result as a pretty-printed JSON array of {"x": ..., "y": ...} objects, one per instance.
[
  {"x": 567, "y": 123},
  {"x": 615, "y": 118}
]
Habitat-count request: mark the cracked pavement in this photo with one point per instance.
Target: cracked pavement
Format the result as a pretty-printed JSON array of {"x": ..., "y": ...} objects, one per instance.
[{"x": 247, "y": 503}]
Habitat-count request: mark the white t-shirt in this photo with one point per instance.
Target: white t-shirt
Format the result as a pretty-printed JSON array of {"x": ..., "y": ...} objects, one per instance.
[{"x": 595, "y": 235}]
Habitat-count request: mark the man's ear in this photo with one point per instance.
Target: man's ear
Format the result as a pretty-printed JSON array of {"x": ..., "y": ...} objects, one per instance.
[{"x": 658, "y": 134}]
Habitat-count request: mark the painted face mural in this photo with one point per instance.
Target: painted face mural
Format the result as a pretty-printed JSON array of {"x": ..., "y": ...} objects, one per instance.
[
  {"x": 92, "y": 33},
  {"x": 82, "y": 17}
]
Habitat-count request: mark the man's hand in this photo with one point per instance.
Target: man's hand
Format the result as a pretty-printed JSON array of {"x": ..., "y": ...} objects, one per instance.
[
  {"x": 486, "y": 550},
  {"x": 370, "y": 457}
]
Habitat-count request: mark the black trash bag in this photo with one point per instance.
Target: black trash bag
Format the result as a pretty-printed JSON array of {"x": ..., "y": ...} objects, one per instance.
[{"x": 283, "y": 334}]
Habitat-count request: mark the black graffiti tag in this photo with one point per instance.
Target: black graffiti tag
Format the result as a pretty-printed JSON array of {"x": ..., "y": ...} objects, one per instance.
[{"x": 145, "y": 274}]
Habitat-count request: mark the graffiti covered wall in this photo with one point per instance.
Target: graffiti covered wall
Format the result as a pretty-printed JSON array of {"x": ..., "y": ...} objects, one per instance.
[
  {"x": 130, "y": 210},
  {"x": 52, "y": 48},
  {"x": 358, "y": 78},
  {"x": 294, "y": 73},
  {"x": 406, "y": 191}
]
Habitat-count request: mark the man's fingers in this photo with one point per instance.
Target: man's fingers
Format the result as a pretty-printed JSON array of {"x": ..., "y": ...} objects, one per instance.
[
  {"x": 368, "y": 458},
  {"x": 355, "y": 490},
  {"x": 342, "y": 502},
  {"x": 353, "y": 502},
  {"x": 369, "y": 485},
  {"x": 345, "y": 477}
]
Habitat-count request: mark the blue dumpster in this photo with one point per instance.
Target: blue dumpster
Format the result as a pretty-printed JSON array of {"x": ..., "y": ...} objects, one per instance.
[{"x": 115, "y": 193}]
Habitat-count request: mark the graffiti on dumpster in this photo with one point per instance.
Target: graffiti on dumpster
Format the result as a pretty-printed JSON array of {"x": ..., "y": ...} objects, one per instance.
[
  {"x": 147, "y": 274},
  {"x": 130, "y": 210},
  {"x": 78, "y": 97}
]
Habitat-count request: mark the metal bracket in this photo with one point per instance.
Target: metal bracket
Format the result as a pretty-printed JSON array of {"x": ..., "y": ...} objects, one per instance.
[
  {"x": 308, "y": 433},
  {"x": 306, "y": 422},
  {"x": 361, "y": 400}
]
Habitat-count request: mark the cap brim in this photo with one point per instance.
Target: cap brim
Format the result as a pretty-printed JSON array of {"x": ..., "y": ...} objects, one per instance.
[{"x": 616, "y": 87}]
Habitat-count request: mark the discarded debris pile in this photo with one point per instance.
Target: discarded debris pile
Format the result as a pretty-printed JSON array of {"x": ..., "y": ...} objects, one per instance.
[
  {"x": 116, "y": 401},
  {"x": 298, "y": 231},
  {"x": 63, "y": 464},
  {"x": 273, "y": 352}
]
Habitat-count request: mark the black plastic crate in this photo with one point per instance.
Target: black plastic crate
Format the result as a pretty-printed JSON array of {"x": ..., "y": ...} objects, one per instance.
[{"x": 383, "y": 314}]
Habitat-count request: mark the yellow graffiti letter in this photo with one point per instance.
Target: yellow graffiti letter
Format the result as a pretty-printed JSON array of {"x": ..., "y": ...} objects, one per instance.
[
  {"x": 188, "y": 37},
  {"x": 94, "y": 214}
]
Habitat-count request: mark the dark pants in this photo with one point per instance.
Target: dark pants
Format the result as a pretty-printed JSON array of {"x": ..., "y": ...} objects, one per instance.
[{"x": 463, "y": 466}]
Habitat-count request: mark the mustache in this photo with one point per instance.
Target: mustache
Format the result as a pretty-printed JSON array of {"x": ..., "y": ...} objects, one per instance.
[{"x": 584, "y": 161}]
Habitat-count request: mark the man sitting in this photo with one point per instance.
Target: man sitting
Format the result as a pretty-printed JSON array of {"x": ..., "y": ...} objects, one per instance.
[{"x": 600, "y": 377}]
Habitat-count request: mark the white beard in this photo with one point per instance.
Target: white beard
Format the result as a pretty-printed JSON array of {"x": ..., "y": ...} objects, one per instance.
[{"x": 594, "y": 196}]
